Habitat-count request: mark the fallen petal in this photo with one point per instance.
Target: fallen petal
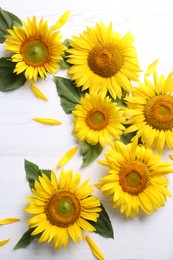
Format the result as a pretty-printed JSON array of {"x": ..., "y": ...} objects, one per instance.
[
  {"x": 4, "y": 242},
  {"x": 38, "y": 93},
  {"x": 67, "y": 156},
  {"x": 8, "y": 220},
  {"x": 94, "y": 248},
  {"x": 62, "y": 20},
  {"x": 47, "y": 121}
]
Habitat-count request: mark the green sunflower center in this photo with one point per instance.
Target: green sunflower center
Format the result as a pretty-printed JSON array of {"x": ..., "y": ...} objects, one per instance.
[
  {"x": 35, "y": 53},
  {"x": 105, "y": 60},
  {"x": 63, "y": 209},
  {"x": 96, "y": 120},
  {"x": 159, "y": 112},
  {"x": 133, "y": 177}
]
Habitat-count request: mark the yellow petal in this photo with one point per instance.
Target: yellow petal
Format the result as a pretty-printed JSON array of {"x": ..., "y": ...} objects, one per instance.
[
  {"x": 37, "y": 92},
  {"x": 4, "y": 242},
  {"x": 47, "y": 121},
  {"x": 67, "y": 156},
  {"x": 151, "y": 67},
  {"x": 94, "y": 248},
  {"x": 8, "y": 220},
  {"x": 62, "y": 20},
  {"x": 171, "y": 156}
]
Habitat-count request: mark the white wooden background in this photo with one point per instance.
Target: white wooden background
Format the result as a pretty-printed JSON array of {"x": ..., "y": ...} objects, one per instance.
[{"x": 150, "y": 237}]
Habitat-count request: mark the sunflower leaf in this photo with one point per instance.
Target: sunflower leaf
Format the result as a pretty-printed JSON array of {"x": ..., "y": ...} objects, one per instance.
[
  {"x": 126, "y": 138},
  {"x": 64, "y": 64},
  {"x": 103, "y": 225},
  {"x": 69, "y": 94},
  {"x": 8, "y": 79},
  {"x": 33, "y": 172},
  {"x": 47, "y": 173},
  {"x": 90, "y": 152},
  {"x": 25, "y": 240},
  {"x": 7, "y": 21},
  {"x": 120, "y": 101}
]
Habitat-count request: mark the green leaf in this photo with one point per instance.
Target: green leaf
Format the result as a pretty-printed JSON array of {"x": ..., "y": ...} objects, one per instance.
[
  {"x": 7, "y": 21},
  {"x": 126, "y": 138},
  {"x": 103, "y": 225},
  {"x": 120, "y": 101},
  {"x": 25, "y": 240},
  {"x": 33, "y": 172},
  {"x": 69, "y": 94},
  {"x": 90, "y": 152},
  {"x": 47, "y": 172},
  {"x": 64, "y": 64},
  {"x": 8, "y": 79}
]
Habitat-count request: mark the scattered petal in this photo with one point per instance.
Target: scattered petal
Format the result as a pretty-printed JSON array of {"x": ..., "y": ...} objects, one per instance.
[
  {"x": 4, "y": 242},
  {"x": 47, "y": 121},
  {"x": 63, "y": 19},
  {"x": 38, "y": 93},
  {"x": 94, "y": 248},
  {"x": 8, "y": 220},
  {"x": 151, "y": 67},
  {"x": 67, "y": 156}
]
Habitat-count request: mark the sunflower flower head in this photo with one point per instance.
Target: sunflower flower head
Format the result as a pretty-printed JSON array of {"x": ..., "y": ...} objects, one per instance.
[
  {"x": 135, "y": 178},
  {"x": 150, "y": 110},
  {"x": 36, "y": 48},
  {"x": 103, "y": 61},
  {"x": 97, "y": 120},
  {"x": 62, "y": 208}
]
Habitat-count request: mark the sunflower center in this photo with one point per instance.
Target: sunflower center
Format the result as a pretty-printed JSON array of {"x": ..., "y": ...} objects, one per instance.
[
  {"x": 96, "y": 120},
  {"x": 63, "y": 209},
  {"x": 105, "y": 60},
  {"x": 35, "y": 53},
  {"x": 159, "y": 112},
  {"x": 133, "y": 177}
]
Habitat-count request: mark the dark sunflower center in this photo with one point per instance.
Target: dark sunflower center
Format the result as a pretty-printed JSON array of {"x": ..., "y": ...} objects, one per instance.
[
  {"x": 63, "y": 209},
  {"x": 159, "y": 112},
  {"x": 105, "y": 60},
  {"x": 35, "y": 53},
  {"x": 96, "y": 120},
  {"x": 133, "y": 177}
]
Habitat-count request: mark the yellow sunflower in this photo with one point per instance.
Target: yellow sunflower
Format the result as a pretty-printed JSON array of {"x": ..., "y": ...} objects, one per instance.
[
  {"x": 97, "y": 119},
  {"x": 135, "y": 178},
  {"x": 37, "y": 49},
  {"x": 103, "y": 61},
  {"x": 151, "y": 113},
  {"x": 62, "y": 208}
]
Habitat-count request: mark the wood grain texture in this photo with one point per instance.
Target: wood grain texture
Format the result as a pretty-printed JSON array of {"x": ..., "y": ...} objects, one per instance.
[{"x": 148, "y": 237}]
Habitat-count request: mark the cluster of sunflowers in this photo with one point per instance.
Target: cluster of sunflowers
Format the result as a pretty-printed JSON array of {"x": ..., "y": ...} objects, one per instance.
[{"x": 110, "y": 108}]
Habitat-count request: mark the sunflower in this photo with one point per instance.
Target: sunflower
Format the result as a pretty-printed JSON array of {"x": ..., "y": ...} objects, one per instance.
[
  {"x": 97, "y": 119},
  {"x": 135, "y": 178},
  {"x": 62, "y": 208},
  {"x": 37, "y": 49},
  {"x": 103, "y": 61},
  {"x": 151, "y": 112}
]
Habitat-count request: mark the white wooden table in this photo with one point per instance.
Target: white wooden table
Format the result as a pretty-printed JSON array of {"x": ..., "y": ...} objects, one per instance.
[{"x": 151, "y": 23}]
